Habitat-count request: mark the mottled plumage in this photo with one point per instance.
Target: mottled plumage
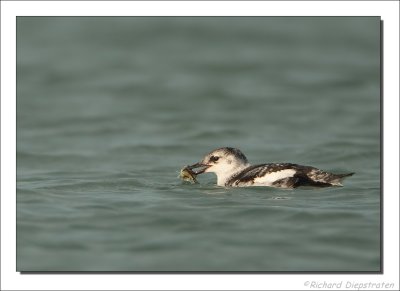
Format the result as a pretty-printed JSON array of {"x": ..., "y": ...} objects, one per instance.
[{"x": 232, "y": 169}]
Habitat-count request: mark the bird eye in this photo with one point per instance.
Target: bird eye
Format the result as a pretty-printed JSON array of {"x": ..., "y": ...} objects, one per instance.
[{"x": 214, "y": 159}]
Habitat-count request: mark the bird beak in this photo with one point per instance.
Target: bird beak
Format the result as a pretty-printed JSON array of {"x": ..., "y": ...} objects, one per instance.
[{"x": 202, "y": 167}]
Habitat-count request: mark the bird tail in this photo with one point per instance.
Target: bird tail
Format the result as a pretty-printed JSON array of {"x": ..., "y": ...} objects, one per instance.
[{"x": 336, "y": 179}]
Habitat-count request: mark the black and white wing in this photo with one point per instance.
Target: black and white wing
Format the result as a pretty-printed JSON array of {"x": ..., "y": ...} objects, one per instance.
[{"x": 282, "y": 175}]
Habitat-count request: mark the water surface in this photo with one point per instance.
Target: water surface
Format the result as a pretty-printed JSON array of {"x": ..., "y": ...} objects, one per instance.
[{"x": 109, "y": 109}]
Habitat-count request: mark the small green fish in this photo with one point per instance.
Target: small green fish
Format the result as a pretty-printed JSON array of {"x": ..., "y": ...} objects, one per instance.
[{"x": 188, "y": 175}]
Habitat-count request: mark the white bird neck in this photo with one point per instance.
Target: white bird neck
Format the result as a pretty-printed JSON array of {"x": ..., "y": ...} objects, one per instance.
[{"x": 223, "y": 177}]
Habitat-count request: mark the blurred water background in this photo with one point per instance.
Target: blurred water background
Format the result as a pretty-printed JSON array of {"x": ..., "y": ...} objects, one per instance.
[{"x": 109, "y": 109}]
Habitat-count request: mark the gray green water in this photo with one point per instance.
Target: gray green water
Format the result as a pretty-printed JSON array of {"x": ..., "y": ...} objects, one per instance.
[{"x": 109, "y": 110}]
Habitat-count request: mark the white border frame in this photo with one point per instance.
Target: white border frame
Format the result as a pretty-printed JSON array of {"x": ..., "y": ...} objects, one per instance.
[{"x": 12, "y": 280}]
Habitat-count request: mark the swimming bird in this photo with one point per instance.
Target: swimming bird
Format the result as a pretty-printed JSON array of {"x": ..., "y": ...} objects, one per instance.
[{"x": 233, "y": 169}]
